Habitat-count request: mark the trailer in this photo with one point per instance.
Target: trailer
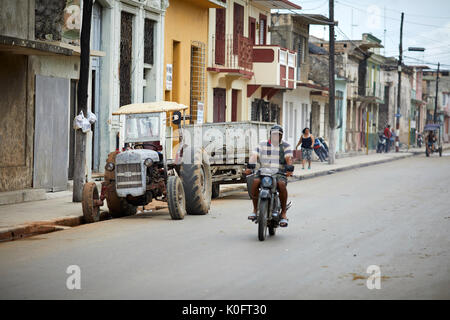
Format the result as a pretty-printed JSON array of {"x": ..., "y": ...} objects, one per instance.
[{"x": 229, "y": 146}]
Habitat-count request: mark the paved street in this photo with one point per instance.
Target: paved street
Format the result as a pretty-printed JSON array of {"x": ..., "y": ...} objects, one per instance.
[{"x": 394, "y": 215}]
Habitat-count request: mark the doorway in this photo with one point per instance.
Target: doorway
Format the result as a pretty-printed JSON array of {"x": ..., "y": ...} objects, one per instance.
[
  {"x": 219, "y": 105},
  {"x": 234, "y": 105}
]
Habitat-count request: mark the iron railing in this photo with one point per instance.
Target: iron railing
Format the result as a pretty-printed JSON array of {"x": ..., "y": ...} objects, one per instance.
[{"x": 232, "y": 54}]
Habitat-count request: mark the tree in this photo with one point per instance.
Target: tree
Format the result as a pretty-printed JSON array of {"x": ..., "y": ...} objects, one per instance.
[{"x": 79, "y": 177}]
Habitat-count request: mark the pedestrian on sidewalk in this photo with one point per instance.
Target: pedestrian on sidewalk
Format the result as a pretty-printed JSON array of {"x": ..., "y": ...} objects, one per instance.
[
  {"x": 306, "y": 141},
  {"x": 392, "y": 138},
  {"x": 388, "y": 135}
]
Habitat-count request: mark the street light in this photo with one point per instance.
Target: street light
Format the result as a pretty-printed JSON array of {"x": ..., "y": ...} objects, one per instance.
[{"x": 416, "y": 49}]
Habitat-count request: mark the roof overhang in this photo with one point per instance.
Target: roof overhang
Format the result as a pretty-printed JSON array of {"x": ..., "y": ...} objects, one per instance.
[
  {"x": 30, "y": 47},
  {"x": 370, "y": 45},
  {"x": 317, "y": 19},
  {"x": 41, "y": 48},
  {"x": 278, "y": 4},
  {"x": 150, "y": 107},
  {"x": 208, "y": 3}
]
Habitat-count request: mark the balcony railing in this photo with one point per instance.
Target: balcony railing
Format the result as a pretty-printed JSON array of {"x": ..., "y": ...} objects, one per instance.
[{"x": 230, "y": 54}]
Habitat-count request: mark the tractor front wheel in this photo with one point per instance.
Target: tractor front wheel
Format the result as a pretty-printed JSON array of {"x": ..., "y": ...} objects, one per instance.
[{"x": 91, "y": 203}]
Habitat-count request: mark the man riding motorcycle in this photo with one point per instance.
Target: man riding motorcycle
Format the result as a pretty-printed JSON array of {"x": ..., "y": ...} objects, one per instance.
[{"x": 274, "y": 153}]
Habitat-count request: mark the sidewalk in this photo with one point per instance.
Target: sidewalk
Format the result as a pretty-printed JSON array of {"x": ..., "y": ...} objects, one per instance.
[{"x": 58, "y": 212}]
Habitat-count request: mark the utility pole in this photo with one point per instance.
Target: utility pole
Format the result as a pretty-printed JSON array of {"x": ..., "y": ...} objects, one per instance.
[
  {"x": 399, "y": 91},
  {"x": 82, "y": 94},
  {"x": 437, "y": 94},
  {"x": 331, "y": 101}
]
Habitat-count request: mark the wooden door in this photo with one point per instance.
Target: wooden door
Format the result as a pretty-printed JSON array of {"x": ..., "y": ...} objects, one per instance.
[
  {"x": 238, "y": 26},
  {"x": 220, "y": 36},
  {"x": 234, "y": 105},
  {"x": 252, "y": 30},
  {"x": 219, "y": 105}
]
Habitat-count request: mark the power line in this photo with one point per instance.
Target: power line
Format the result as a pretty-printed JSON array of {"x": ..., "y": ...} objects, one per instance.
[
  {"x": 391, "y": 18},
  {"x": 426, "y": 62},
  {"x": 412, "y": 14}
]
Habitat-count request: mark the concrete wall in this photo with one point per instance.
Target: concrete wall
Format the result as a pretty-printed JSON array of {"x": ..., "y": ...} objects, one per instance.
[
  {"x": 16, "y": 123},
  {"x": 296, "y": 113},
  {"x": 17, "y": 18}
]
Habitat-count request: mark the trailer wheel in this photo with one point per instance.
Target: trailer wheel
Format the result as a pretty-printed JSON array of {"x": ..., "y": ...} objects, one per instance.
[
  {"x": 118, "y": 207},
  {"x": 215, "y": 192},
  {"x": 91, "y": 207},
  {"x": 176, "y": 198},
  {"x": 196, "y": 176}
]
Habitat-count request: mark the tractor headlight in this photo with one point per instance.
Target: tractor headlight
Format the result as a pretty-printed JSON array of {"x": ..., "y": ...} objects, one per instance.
[
  {"x": 148, "y": 162},
  {"x": 266, "y": 182},
  {"x": 109, "y": 166}
]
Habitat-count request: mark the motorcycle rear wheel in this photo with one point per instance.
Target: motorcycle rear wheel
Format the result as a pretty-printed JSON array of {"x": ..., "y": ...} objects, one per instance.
[{"x": 263, "y": 211}]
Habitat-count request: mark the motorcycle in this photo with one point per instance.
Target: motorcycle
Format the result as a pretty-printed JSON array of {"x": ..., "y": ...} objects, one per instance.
[
  {"x": 320, "y": 150},
  {"x": 382, "y": 140},
  {"x": 269, "y": 205},
  {"x": 325, "y": 145}
]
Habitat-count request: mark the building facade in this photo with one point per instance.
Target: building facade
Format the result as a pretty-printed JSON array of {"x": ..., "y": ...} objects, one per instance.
[{"x": 245, "y": 70}]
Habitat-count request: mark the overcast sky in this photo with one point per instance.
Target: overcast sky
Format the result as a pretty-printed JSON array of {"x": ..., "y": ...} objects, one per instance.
[{"x": 427, "y": 24}]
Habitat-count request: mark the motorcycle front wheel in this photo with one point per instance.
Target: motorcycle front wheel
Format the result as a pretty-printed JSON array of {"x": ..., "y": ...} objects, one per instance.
[{"x": 262, "y": 219}]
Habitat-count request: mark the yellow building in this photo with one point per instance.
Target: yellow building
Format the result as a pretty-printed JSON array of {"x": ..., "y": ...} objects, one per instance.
[{"x": 186, "y": 49}]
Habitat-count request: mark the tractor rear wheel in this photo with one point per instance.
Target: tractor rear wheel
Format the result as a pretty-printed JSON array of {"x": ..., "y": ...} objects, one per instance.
[{"x": 196, "y": 176}]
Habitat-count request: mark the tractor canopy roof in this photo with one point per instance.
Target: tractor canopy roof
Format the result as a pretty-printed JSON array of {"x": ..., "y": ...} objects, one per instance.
[{"x": 150, "y": 107}]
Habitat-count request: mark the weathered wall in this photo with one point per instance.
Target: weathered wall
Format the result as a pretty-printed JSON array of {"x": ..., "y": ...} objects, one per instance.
[
  {"x": 17, "y": 18},
  {"x": 16, "y": 124},
  {"x": 49, "y": 19}
]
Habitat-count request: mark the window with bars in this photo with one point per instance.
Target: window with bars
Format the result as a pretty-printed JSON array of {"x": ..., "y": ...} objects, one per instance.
[
  {"x": 198, "y": 77},
  {"x": 126, "y": 52},
  {"x": 148, "y": 41}
]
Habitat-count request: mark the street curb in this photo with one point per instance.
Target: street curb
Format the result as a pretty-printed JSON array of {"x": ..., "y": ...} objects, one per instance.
[
  {"x": 296, "y": 178},
  {"x": 39, "y": 227}
]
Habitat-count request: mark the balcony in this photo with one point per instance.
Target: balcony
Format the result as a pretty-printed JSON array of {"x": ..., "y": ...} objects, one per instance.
[
  {"x": 274, "y": 67},
  {"x": 235, "y": 58},
  {"x": 375, "y": 91}
]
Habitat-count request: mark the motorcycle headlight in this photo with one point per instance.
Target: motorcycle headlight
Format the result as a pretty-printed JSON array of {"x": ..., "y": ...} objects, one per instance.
[
  {"x": 109, "y": 166},
  {"x": 148, "y": 162},
  {"x": 266, "y": 182}
]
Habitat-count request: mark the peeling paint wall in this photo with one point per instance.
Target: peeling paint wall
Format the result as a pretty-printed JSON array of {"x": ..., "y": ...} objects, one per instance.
[
  {"x": 16, "y": 124},
  {"x": 49, "y": 19}
]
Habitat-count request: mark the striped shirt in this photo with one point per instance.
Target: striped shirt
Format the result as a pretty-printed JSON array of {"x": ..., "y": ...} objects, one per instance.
[{"x": 269, "y": 155}]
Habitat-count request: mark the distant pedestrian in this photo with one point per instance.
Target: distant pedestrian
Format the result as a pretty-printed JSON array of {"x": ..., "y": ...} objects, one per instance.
[
  {"x": 392, "y": 138},
  {"x": 306, "y": 141},
  {"x": 388, "y": 135}
]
